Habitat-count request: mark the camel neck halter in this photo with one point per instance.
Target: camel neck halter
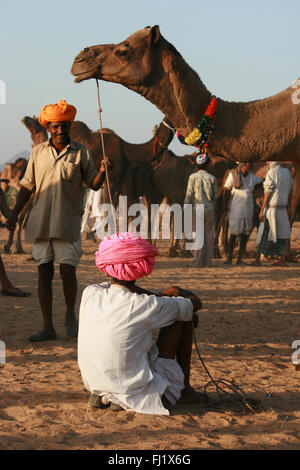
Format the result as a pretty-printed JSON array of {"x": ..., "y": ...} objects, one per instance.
[{"x": 157, "y": 141}]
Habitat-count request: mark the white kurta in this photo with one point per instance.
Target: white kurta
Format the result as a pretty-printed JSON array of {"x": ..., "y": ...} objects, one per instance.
[
  {"x": 241, "y": 206},
  {"x": 115, "y": 356},
  {"x": 279, "y": 183}
]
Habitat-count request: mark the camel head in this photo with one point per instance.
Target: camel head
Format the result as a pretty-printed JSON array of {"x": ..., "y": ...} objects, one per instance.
[
  {"x": 131, "y": 63},
  {"x": 38, "y": 133}
]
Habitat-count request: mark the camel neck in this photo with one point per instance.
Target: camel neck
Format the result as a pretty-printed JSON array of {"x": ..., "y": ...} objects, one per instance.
[{"x": 172, "y": 94}]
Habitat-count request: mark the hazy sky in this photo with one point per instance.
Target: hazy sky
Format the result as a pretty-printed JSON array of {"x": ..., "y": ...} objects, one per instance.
[{"x": 242, "y": 51}]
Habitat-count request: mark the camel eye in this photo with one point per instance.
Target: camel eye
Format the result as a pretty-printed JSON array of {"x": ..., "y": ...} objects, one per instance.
[{"x": 122, "y": 52}]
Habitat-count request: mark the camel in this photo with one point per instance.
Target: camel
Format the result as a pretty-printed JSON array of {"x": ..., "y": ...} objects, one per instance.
[
  {"x": 123, "y": 154},
  {"x": 18, "y": 169},
  {"x": 260, "y": 130},
  {"x": 164, "y": 178}
]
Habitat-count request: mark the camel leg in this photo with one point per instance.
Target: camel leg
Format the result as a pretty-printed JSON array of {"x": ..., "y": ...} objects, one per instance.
[
  {"x": 172, "y": 252},
  {"x": 225, "y": 242},
  {"x": 19, "y": 248},
  {"x": 9, "y": 243},
  {"x": 217, "y": 254}
]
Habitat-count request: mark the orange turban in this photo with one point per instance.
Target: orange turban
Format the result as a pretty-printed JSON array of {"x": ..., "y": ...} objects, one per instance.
[{"x": 59, "y": 112}]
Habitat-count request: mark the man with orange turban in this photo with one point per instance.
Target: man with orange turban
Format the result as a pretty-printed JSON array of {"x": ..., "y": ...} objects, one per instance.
[
  {"x": 120, "y": 366},
  {"x": 55, "y": 173}
]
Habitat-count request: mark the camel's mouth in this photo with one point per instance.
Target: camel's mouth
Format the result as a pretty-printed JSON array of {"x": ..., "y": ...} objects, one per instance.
[{"x": 81, "y": 76}]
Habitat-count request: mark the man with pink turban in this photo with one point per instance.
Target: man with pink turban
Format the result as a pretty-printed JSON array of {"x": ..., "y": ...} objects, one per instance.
[
  {"x": 120, "y": 366},
  {"x": 56, "y": 172}
]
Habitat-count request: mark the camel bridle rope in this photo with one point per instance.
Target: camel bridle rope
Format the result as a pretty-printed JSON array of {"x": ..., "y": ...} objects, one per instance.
[
  {"x": 103, "y": 149},
  {"x": 224, "y": 387},
  {"x": 157, "y": 141}
]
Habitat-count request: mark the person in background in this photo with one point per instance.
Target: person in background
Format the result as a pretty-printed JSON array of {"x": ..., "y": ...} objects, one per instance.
[
  {"x": 7, "y": 288},
  {"x": 239, "y": 200},
  {"x": 275, "y": 228},
  {"x": 202, "y": 189}
]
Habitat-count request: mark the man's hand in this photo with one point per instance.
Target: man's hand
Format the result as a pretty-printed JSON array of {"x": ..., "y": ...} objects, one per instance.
[
  {"x": 172, "y": 291},
  {"x": 261, "y": 216},
  {"x": 197, "y": 304},
  {"x": 175, "y": 291},
  {"x": 100, "y": 177},
  {"x": 105, "y": 162}
]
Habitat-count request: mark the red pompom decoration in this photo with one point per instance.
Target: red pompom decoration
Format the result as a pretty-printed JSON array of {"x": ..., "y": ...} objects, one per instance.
[{"x": 211, "y": 108}]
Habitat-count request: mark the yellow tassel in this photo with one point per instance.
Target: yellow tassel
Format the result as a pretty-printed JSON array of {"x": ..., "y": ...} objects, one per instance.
[{"x": 193, "y": 137}]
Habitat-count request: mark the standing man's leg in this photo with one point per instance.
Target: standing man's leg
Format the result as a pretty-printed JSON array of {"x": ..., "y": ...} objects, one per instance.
[
  {"x": 67, "y": 254},
  {"x": 68, "y": 275},
  {"x": 210, "y": 226},
  {"x": 231, "y": 246},
  {"x": 45, "y": 277},
  {"x": 242, "y": 248}
]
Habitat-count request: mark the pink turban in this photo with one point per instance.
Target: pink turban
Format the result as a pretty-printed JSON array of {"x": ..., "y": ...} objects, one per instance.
[
  {"x": 126, "y": 256},
  {"x": 59, "y": 112}
]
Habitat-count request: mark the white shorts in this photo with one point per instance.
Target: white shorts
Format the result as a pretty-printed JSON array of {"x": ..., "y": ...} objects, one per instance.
[
  {"x": 240, "y": 226},
  {"x": 60, "y": 251}
]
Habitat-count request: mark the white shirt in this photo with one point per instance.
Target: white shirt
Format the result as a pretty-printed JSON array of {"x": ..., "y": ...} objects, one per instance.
[
  {"x": 202, "y": 189},
  {"x": 241, "y": 204},
  {"x": 279, "y": 183},
  {"x": 115, "y": 335}
]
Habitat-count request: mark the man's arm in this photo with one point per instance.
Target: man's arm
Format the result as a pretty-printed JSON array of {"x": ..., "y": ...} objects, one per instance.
[
  {"x": 23, "y": 197},
  {"x": 264, "y": 205},
  {"x": 172, "y": 291},
  {"x": 175, "y": 291},
  {"x": 139, "y": 290},
  {"x": 226, "y": 198},
  {"x": 100, "y": 177},
  {"x": 189, "y": 191}
]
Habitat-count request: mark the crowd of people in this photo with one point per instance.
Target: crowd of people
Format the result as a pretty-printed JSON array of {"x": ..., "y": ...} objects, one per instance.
[
  {"x": 238, "y": 202},
  {"x": 120, "y": 366}
]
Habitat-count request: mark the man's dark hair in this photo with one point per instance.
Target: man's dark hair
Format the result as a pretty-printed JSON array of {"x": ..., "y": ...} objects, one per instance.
[{"x": 128, "y": 284}]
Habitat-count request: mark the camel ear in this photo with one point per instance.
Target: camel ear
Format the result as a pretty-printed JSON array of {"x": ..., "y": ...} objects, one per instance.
[{"x": 154, "y": 35}]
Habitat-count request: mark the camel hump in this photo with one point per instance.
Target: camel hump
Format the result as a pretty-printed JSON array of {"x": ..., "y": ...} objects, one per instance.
[{"x": 106, "y": 131}]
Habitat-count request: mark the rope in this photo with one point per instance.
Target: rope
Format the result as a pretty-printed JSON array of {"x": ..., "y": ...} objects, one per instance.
[
  {"x": 223, "y": 387},
  {"x": 171, "y": 128},
  {"x": 103, "y": 151}
]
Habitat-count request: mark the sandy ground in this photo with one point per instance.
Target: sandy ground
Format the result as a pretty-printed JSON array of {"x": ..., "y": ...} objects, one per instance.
[{"x": 250, "y": 318}]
